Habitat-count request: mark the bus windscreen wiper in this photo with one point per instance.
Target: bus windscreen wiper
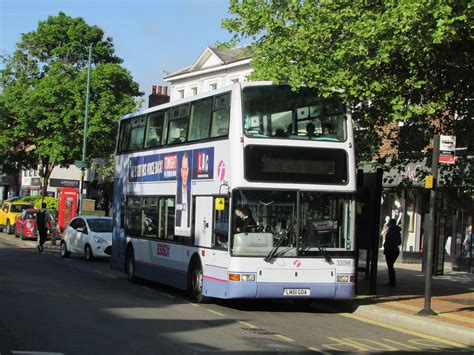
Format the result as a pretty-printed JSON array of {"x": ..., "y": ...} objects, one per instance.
[
  {"x": 325, "y": 253},
  {"x": 272, "y": 252}
]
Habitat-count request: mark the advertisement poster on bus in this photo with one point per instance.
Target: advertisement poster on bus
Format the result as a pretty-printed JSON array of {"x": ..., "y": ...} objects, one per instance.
[
  {"x": 184, "y": 167},
  {"x": 183, "y": 195}
]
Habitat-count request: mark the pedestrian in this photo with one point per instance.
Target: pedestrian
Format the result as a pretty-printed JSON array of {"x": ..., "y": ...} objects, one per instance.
[
  {"x": 42, "y": 218},
  {"x": 390, "y": 248}
]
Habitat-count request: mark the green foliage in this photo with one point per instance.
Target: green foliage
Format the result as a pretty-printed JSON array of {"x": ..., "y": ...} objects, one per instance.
[
  {"x": 43, "y": 84},
  {"x": 411, "y": 60},
  {"x": 52, "y": 204},
  {"x": 30, "y": 199},
  {"x": 107, "y": 168}
]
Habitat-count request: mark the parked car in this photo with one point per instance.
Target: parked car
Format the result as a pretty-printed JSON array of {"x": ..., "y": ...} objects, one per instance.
[
  {"x": 25, "y": 226},
  {"x": 88, "y": 235},
  {"x": 8, "y": 214}
]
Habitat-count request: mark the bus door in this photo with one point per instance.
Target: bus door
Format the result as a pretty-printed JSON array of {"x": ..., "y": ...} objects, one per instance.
[{"x": 203, "y": 221}]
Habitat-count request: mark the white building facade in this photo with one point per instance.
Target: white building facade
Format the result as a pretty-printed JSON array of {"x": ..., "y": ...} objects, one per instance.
[
  {"x": 213, "y": 69},
  {"x": 60, "y": 177}
]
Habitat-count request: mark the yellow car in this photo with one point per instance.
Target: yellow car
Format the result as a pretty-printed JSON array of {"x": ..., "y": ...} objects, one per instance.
[{"x": 8, "y": 214}]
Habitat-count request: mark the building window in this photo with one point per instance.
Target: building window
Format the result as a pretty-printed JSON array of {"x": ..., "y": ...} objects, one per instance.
[
  {"x": 234, "y": 81},
  {"x": 194, "y": 91},
  {"x": 213, "y": 86},
  {"x": 181, "y": 93}
]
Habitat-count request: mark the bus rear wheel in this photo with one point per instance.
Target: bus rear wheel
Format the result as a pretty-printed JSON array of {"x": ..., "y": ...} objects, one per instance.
[
  {"x": 130, "y": 266},
  {"x": 196, "y": 284}
]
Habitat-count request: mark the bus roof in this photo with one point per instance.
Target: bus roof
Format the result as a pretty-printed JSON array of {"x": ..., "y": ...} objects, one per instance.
[{"x": 196, "y": 97}]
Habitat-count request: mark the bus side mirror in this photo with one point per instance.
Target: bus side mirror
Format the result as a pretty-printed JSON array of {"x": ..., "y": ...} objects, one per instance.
[{"x": 224, "y": 190}]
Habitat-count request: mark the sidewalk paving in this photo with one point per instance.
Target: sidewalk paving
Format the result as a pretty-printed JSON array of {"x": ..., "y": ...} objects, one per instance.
[{"x": 452, "y": 299}]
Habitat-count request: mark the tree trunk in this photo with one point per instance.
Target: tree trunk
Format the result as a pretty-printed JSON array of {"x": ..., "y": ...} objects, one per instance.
[{"x": 45, "y": 173}]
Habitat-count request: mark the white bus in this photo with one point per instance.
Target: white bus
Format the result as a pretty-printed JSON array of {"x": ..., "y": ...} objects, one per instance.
[{"x": 242, "y": 192}]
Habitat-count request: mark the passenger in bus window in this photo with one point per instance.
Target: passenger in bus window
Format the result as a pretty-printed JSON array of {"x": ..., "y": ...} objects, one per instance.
[
  {"x": 310, "y": 128},
  {"x": 149, "y": 226},
  {"x": 243, "y": 221},
  {"x": 327, "y": 131},
  {"x": 280, "y": 132}
]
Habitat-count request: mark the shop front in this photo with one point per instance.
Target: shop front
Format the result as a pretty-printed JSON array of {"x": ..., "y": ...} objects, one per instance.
[{"x": 405, "y": 199}]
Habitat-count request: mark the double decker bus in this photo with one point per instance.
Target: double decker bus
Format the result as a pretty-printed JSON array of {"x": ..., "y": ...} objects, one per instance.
[{"x": 243, "y": 192}]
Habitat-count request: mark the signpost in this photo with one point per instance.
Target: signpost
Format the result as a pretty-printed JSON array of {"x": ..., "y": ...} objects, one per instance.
[
  {"x": 447, "y": 147},
  {"x": 443, "y": 152}
]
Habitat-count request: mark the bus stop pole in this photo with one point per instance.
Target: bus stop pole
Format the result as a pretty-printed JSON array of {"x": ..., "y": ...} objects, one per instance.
[{"x": 427, "y": 311}]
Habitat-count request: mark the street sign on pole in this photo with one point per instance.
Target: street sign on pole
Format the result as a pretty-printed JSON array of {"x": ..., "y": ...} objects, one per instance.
[
  {"x": 447, "y": 148},
  {"x": 427, "y": 311},
  {"x": 80, "y": 164}
]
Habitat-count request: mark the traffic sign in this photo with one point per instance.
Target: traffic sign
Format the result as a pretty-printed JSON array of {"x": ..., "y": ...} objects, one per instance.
[
  {"x": 429, "y": 182},
  {"x": 447, "y": 148},
  {"x": 80, "y": 164}
]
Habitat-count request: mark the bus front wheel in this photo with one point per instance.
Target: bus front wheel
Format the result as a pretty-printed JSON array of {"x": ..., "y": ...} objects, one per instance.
[{"x": 196, "y": 284}]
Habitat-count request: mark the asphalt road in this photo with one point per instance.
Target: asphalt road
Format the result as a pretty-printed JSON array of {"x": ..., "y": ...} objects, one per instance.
[{"x": 71, "y": 306}]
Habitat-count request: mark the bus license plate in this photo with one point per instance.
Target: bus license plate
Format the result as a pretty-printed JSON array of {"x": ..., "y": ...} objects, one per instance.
[{"x": 296, "y": 292}]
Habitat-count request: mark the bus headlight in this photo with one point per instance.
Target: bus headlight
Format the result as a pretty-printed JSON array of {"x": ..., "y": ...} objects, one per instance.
[{"x": 241, "y": 277}]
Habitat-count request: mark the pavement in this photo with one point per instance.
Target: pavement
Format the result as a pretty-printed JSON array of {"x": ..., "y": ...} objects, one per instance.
[{"x": 452, "y": 300}]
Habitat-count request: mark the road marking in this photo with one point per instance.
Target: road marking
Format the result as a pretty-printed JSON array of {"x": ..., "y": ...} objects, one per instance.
[
  {"x": 405, "y": 331},
  {"x": 314, "y": 349},
  {"x": 167, "y": 295},
  {"x": 340, "y": 345},
  {"x": 378, "y": 345},
  {"x": 35, "y": 353},
  {"x": 402, "y": 344},
  {"x": 248, "y": 325},
  {"x": 215, "y": 312},
  {"x": 190, "y": 303},
  {"x": 284, "y": 338}
]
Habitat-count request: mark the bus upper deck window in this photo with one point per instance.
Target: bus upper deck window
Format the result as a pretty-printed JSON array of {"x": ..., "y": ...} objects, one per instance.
[{"x": 154, "y": 129}]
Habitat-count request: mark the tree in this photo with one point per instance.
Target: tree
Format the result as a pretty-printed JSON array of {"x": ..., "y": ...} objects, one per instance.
[
  {"x": 43, "y": 86},
  {"x": 405, "y": 61}
]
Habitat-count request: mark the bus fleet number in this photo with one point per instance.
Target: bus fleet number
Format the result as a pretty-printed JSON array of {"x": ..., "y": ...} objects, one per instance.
[{"x": 344, "y": 262}]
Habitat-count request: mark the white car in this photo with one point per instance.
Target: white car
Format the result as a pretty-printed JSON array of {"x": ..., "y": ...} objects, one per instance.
[{"x": 88, "y": 235}]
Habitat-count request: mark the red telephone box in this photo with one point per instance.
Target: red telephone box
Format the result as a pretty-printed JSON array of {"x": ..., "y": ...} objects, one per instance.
[{"x": 68, "y": 200}]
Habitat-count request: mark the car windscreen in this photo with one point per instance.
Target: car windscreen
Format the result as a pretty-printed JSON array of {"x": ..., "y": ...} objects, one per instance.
[
  {"x": 100, "y": 225},
  {"x": 30, "y": 215},
  {"x": 18, "y": 208}
]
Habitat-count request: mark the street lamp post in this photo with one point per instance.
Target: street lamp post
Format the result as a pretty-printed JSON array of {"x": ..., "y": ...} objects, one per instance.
[{"x": 84, "y": 142}]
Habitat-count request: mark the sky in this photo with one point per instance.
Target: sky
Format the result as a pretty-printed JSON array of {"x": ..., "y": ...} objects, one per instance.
[{"x": 151, "y": 36}]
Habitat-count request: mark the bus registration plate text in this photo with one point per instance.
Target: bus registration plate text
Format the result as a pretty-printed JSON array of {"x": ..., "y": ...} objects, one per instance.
[{"x": 296, "y": 292}]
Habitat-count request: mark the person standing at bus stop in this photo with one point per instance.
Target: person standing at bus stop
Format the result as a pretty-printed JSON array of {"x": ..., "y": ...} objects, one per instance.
[
  {"x": 42, "y": 218},
  {"x": 390, "y": 248}
]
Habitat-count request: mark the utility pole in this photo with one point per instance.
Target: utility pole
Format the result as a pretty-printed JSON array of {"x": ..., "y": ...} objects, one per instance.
[
  {"x": 84, "y": 142},
  {"x": 427, "y": 311}
]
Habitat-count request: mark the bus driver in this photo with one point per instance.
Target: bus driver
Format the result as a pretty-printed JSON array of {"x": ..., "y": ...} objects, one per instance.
[{"x": 243, "y": 221}]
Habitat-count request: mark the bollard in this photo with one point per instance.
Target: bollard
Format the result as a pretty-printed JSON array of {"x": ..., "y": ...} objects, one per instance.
[{"x": 53, "y": 234}]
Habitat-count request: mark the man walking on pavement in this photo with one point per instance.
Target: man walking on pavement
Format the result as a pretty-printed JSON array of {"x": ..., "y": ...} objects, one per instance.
[
  {"x": 42, "y": 226},
  {"x": 390, "y": 249}
]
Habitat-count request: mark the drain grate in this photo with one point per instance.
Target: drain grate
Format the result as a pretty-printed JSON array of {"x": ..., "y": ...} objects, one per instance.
[{"x": 259, "y": 331}]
